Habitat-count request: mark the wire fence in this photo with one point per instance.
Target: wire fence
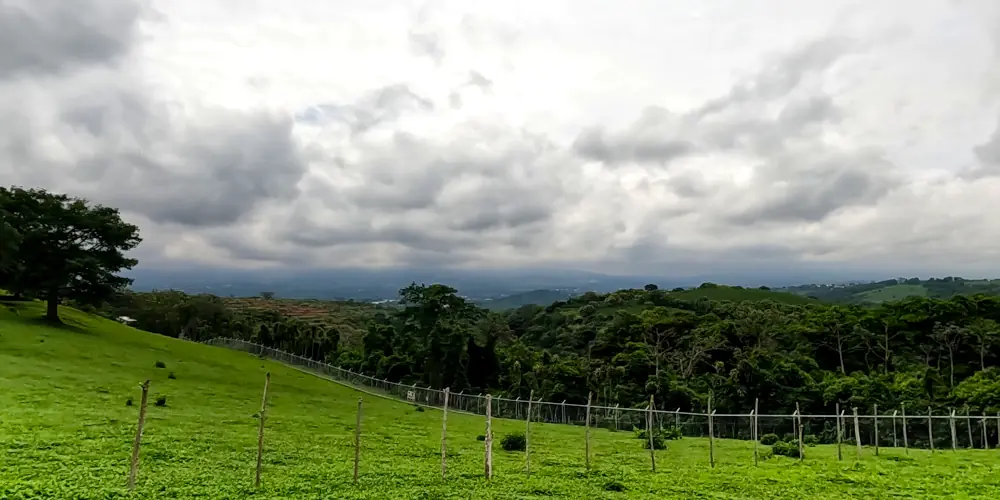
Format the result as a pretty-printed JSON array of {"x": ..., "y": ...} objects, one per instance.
[{"x": 899, "y": 427}]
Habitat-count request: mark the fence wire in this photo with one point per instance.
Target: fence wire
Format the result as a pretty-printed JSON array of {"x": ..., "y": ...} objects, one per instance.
[{"x": 884, "y": 429}]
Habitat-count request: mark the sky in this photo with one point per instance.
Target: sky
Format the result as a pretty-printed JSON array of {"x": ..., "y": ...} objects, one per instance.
[{"x": 627, "y": 136}]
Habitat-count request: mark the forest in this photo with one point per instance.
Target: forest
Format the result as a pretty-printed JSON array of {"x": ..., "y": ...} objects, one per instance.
[{"x": 627, "y": 345}]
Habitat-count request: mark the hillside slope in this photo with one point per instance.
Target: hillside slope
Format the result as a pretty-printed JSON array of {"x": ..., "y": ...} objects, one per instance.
[
  {"x": 897, "y": 289},
  {"x": 66, "y": 432}
]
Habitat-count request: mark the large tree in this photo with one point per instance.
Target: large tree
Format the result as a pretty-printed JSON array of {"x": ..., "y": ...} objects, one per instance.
[{"x": 68, "y": 247}]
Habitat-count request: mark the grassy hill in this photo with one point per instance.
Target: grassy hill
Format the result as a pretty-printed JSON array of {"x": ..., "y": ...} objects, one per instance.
[
  {"x": 739, "y": 294},
  {"x": 348, "y": 317},
  {"x": 66, "y": 432},
  {"x": 897, "y": 289}
]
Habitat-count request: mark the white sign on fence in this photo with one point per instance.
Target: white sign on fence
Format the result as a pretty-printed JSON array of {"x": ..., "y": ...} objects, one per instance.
[{"x": 411, "y": 396}]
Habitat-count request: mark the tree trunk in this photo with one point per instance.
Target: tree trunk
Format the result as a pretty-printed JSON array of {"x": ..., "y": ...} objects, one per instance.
[
  {"x": 840, "y": 353},
  {"x": 52, "y": 305},
  {"x": 982, "y": 356}
]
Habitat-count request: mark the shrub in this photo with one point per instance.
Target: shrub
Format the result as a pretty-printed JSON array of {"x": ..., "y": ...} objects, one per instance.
[
  {"x": 171, "y": 376},
  {"x": 768, "y": 439},
  {"x": 671, "y": 434},
  {"x": 614, "y": 485},
  {"x": 785, "y": 449},
  {"x": 658, "y": 443},
  {"x": 418, "y": 408},
  {"x": 765, "y": 454},
  {"x": 810, "y": 440},
  {"x": 513, "y": 442},
  {"x": 128, "y": 402},
  {"x": 160, "y": 364},
  {"x": 480, "y": 438},
  {"x": 160, "y": 401}
]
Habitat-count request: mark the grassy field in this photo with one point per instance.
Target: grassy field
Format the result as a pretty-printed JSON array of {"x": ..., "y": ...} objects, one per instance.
[
  {"x": 894, "y": 292},
  {"x": 66, "y": 433}
]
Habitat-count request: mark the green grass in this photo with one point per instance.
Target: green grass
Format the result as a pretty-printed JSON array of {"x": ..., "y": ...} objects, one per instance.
[
  {"x": 894, "y": 292},
  {"x": 66, "y": 433}
]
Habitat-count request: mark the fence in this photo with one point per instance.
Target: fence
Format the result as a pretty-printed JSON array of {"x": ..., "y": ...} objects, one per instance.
[{"x": 900, "y": 427}]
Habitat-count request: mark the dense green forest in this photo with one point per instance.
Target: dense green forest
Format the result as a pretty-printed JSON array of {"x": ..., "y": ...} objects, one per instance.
[{"x": 629, "y": 344}]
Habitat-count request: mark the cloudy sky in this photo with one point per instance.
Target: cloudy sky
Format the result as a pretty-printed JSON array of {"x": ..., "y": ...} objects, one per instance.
[{"x": 619, "y": 136}]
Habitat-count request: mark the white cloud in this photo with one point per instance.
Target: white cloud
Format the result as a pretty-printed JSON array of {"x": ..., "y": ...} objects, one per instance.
[{"x": 636, "y": 136}]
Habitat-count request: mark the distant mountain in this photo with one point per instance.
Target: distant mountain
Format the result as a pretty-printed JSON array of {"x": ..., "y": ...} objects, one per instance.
[
  {"x": 534, "y": 297},
  {"x": 896, "y": 289}
]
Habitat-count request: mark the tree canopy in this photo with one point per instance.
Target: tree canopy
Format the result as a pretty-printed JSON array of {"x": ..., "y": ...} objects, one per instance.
[{"x": 58, "y": 247}]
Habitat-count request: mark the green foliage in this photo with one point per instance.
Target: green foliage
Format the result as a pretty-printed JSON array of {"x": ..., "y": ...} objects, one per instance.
[
  {"x": 785, "y": 449},
  {"x": 514, "y": 441},
  {"x": 171, "y": 376},
  {"x": 810, "y": 440},
  {"x": 658, "y": 443},
  {"x": 160, "y": 364},
  {"x": 481, "y": 437},
  {"x": 160, "y": 400},
  {"x": 769, "y": 439},
  {"x": 56, "y": 247}
]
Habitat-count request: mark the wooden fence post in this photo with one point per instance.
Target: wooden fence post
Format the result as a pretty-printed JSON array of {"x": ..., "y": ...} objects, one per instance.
[
  {"x": 906, "y": 441},
  {"x": 649, "y": 432},
  {"x": 565, "y": 420},
  {"x": 930, "y": 428},
  {"x": 857, "y": 431},
  {"x": 875, "y": 421},
  {"x": 802, "y": 448},
  {"x": 134, "y": 466},
  {"x": 968, "y": 421},
  {"x": 895, "y": 439},
  {"x": 797, "y": 419},
  {"x": 616, "y": 417},
  {"x": 357, "y": 441},
  {"x": 527, "y": 436},
  {"x": 444, "y": 434},
  {"x": 260, "y": 429},
  {"x": 986, "y": 443},
  {"x": 840, "y": 432},
  {"x": 756, "y": 431},
  {"x": 711, "y": 434},
  {"x": 489, "y": 437},
  {"x": 677, "y": 421},
  {"x": 951, "y": 424},
  {"x": 587, "y": 438}
]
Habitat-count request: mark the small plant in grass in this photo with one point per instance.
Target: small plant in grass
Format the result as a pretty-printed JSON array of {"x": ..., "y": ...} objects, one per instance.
[
  {"x": 786, "y": 449},
  {"x": 614, "y": 485},
  {"x": 171, "y": 376},
  {"x": 418, "y": 408},
  {"x": 513, "y": 442},
  {"x": 160, "y": 364},
  {"x": 480, "y": 438},
  {"x": 160, "y": 401},
  {"x": 671, "y": 434},
  {"x": 128, "y": 402},
  {"x": 769, "y": 439},
  {"x": 810, "y": 440},
  {"x": 658, "y": 443}
]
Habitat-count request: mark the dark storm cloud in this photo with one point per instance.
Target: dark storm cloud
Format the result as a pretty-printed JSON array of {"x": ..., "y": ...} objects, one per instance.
[
  {"x": 56, "y": 36},
  {"x": 378, "y": 107},
  {"x": 810, "y": 192}
]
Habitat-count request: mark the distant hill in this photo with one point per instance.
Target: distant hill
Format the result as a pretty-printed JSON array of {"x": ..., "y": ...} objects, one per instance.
[
  {"x": 534, "y": 297},
  {"x": 896, "y": 289},
  {"x": 712, "y": 291}
]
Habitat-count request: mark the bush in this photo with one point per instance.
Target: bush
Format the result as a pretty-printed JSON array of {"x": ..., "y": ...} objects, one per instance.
[
  {"x": 171, "y": 376},
  {"x": 480, "y": 438},
  {"x": 671, "y": 434},
  {"x": 513, "y": 442},
  {"x": 810, "y": 440},
  {"x": 658, "y": 443},
  {"x": 785, "y": 449},
  {"x": 128, "y": 402},
  {"x": 662, "y": 434},
  {"x": 160, "y": 401},
  {"x": 614, "y": 485},
  {"x": 769, "y": 439},
  {"x": 418, "y": 408},
  {"x": 160, "y": 364}
]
